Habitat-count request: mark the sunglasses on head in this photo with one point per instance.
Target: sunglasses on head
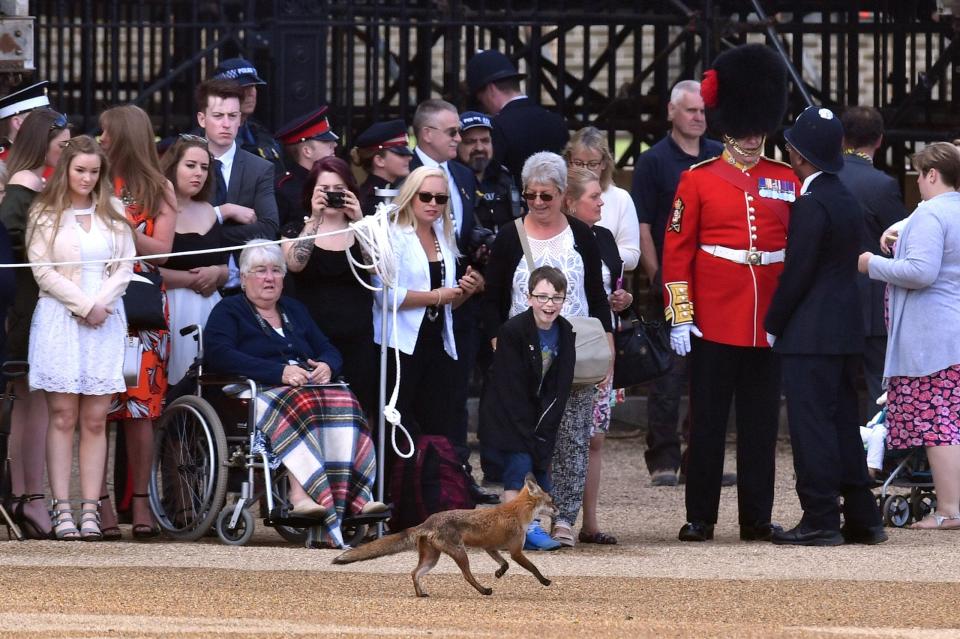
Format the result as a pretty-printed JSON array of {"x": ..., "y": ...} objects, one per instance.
[
  {"x": 190, "y": 137},
  {"x": 439, "y": 198},
  {"x": 60, "y": 123},
  {"x": 544, "y": 197}
]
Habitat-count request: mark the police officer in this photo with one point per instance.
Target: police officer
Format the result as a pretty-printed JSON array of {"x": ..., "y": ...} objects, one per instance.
[
  {"x": 820, "y": 351},
  {"x": 723, "y": 253},
  {"x": 306, "y": 139},
  {"x": 498, "y": 199},
  {"x": 14, "y": 108},
  {"x": 383, "y": 152},
  {"x": 253, "y": 136}
]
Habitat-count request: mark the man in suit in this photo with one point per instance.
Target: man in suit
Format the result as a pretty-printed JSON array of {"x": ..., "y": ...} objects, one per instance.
[
  {"x": 436, "y": 124},
  {"x": 244, "y": 196},
  {"x": 521, "y": 127},
  {"x": 814, "y": 323},
  {"x": 879, "y": 197}
]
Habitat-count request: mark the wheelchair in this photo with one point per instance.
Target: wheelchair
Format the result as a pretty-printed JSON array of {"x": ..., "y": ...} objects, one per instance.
[{"x": 204, "y": 449}]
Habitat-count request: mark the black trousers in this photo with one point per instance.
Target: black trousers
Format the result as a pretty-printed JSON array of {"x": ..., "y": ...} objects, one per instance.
[
  {"x": 719, "y": 375},
  {"x": 663, "y": 401},
  {"x": 468, "y": 340},
  {"x": 828, "y": 455}
]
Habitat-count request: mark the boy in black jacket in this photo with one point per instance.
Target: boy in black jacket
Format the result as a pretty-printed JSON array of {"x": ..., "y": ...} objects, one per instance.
[{"x": 527, "y": 388}]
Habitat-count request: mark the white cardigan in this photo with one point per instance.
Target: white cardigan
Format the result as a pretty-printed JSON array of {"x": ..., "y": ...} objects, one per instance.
[
  {"x": 619, "y": 216},
  {"x": 414, "y": 274}
]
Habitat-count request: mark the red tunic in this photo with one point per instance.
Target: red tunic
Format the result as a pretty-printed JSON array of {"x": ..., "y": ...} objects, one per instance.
[{"x": 717, "y": 204}]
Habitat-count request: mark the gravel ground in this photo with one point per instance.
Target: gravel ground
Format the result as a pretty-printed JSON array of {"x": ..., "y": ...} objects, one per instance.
[{"x": 650, "y": 585}]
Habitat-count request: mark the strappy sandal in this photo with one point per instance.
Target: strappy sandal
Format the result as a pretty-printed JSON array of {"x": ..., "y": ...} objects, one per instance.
[
  {"x": 90, "y": 520},
  {"x": 602, "y": 538},
  {"x": 143, "y": 532},
  {"x": 28, "y": 526},
  {"x": 61, "y": 515},
  {"x": 563, "y": 534},
  {"x": 110, "y": 533},
  {"x": 939, "y": 520}
]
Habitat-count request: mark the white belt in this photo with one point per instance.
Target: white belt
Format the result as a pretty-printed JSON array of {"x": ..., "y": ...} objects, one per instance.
[{"x": 753, "y": 258}]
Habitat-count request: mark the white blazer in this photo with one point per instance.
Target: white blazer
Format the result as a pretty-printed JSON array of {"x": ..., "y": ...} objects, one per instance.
[{"x": 414, "y": 274}]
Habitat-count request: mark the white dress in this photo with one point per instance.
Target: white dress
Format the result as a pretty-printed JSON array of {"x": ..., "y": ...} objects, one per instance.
[{"x": 67, "y": 356}]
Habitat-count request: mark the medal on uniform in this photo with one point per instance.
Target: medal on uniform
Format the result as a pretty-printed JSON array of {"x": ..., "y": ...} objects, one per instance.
[{"x": 777, "y": 189}]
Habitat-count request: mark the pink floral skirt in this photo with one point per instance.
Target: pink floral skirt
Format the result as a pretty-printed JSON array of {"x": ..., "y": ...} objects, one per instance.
[{"x": 924, "y": 411}]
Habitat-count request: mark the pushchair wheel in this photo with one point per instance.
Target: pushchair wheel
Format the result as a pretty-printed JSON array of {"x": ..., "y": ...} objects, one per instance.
[
  {"x": 896, "y": 511},
  {"x": 239, "y": 535}
]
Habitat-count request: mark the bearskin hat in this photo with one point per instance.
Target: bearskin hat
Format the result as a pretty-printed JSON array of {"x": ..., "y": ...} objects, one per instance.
[{"x": 745, "y": 93}]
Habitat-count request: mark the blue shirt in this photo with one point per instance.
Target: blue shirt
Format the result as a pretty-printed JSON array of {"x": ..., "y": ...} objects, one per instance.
[
  {"x": 655, "y": 178},
  {"x": 549, "y": 346}
]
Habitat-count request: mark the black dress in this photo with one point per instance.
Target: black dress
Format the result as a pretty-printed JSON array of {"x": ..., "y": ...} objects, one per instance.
[
  {"x": 13, "y": 214},
  {"x": 343, "y": 309}
]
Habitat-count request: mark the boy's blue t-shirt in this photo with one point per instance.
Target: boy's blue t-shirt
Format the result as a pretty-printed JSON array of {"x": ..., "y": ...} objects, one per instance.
[{"x": 549, "y": 346}]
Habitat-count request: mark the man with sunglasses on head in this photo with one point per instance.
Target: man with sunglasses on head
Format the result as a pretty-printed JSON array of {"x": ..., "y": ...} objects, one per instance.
[{"x": 436, "y": 123}]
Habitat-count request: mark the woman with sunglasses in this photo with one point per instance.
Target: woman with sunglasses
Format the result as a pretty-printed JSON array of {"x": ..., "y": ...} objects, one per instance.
[
  {"x": 192, "y": 281},
  {"x": 151, "y": 209},
  {"x": 427, "y": 291},
  {"x": 322, "y": 278},
  {"x": 568, "y": 244},
  {"x": 39, "y": 145},
  {"x": 588, "y": 149}
]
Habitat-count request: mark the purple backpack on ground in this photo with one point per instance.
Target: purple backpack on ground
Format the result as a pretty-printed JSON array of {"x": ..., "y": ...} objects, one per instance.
[{"x": 429, "y": 482}]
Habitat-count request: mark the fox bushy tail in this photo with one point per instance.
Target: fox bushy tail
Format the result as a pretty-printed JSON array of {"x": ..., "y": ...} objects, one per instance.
[{"x": 389, "y": 545}]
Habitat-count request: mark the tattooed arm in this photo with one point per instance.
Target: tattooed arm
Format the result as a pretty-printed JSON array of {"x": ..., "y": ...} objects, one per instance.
[{"x": 298, "y": 253}]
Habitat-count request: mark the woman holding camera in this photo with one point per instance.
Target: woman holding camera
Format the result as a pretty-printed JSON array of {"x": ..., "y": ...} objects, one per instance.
[{"x": 322, "y": 278}]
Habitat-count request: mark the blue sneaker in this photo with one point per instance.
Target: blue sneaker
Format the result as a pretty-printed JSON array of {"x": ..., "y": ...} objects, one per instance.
[{"x": 538, "y": 539}]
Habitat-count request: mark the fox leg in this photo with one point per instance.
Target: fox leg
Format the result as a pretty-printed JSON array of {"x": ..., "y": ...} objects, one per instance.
[
  {"x": 429, "y": 555},
  {"x": 497, "y": 557},
  {"x": 516, "y": 553},
  {"x": 459, "y": 555}
]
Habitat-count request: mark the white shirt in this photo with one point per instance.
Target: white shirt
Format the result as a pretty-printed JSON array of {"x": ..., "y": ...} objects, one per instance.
[
  {"x": 456, "y": 204},
  {"x": 226, "y": 162},
  {"x": 619, "y": 216},
  {"x": 806, "y": 183}
]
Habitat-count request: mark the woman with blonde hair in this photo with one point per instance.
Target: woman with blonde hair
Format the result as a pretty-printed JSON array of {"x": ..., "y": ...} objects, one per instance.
[
  {"x": 427, "y": 291},
  {"x": 38, "y": 148},
  {"x": 588, "y": 149},
  {"x": 150, "y": 205},
  {"x": 77, "y": 334}
]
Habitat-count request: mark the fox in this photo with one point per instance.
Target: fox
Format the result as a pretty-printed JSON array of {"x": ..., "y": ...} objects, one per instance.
[{"x": 452, "y": 531}]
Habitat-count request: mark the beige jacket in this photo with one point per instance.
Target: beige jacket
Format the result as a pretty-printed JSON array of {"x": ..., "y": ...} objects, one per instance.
[{"x": 63, "y": 282}]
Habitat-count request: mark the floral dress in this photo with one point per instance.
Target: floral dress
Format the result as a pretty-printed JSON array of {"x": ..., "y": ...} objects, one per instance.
[{"x": 144, "y": 401}]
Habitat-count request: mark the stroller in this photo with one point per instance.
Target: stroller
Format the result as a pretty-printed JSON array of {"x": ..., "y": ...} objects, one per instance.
[{"x": 907, "y": 470}]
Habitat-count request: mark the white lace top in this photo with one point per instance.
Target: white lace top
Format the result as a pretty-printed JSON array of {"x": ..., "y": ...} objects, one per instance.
[{"x": 556, "y": 251}]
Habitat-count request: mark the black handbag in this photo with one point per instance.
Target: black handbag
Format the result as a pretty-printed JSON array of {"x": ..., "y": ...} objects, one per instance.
[
  {"x": 643, "y": 350},
  {"x": 143, "y": 303}
]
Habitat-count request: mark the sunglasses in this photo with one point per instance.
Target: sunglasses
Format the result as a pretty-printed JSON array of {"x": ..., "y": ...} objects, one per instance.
[
  {"x": 452, "y": 131},
  {"x": 60, "y": 123},
  {"x": 439, "y": 198},
  {"x": 190, "y": 137},
  {"x": 544, "y": 197}
]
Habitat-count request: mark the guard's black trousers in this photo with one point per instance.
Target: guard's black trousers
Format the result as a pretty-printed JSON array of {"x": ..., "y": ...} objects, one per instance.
[
  {"x": 719, "y": 374},
  {"x": 828, "y": 455}
]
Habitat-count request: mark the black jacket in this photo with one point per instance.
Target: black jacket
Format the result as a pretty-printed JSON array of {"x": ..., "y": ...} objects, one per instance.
[
  {"x": 816, "y": 308},
  {"x": 290, "y": 195},
  {"x": 609, "y": 253},
  {"x": 879, "y": 196},
  {"x": 507, "y": 253},
  {"x": 523, "y": 128},
  {"x": 518, "y": 413}
]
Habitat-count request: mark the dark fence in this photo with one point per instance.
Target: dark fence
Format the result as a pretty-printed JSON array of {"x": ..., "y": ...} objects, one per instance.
[{"x": 608, "y": 63}]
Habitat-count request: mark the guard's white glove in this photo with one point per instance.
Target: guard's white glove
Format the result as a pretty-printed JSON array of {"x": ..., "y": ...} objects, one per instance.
[
  {"x": 771, "y": 339},
  {"x": 680, "y": 338}
]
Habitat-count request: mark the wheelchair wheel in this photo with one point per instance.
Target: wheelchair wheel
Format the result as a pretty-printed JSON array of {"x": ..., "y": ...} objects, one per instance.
[
  {"x": 896, "y": 511},
  {"x": 354, "y": 534},
  {"x": 188, "y": 479},
  {"x": 235, "y": 536}
]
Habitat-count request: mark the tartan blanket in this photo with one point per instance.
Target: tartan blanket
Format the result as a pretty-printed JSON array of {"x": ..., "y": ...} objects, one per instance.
[{"x": 321, "y": 436}]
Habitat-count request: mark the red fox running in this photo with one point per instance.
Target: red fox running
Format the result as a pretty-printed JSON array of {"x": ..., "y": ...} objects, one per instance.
[{"x": 452, "y": 531}]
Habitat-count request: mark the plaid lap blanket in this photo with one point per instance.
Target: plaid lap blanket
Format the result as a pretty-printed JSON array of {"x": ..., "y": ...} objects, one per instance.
[{"x": 321, "y": 436}]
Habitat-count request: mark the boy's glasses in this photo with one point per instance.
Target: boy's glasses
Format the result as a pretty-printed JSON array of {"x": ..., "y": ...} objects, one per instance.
[
  {"x": 439, "y": 198},
  {"x": 543, "y": 299}
]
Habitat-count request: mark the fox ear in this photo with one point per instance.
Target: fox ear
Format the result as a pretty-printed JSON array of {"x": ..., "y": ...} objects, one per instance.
[{"x": 531, "y": 482}]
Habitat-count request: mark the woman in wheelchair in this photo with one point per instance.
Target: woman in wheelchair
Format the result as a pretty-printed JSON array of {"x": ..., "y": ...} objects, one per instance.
[{"x": 315, "y": 428}]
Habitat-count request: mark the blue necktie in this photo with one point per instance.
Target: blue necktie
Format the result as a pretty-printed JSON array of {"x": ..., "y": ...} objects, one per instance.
[{"x": 220, "y": 197}]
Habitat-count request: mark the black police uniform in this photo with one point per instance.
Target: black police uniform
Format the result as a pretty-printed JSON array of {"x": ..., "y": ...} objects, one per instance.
[
  {"x": 255, "y": 138},
  {"x": 368, "y": 194},
  {"x": 290, "y": 195},
  {"x": 498, "y": 198}
]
